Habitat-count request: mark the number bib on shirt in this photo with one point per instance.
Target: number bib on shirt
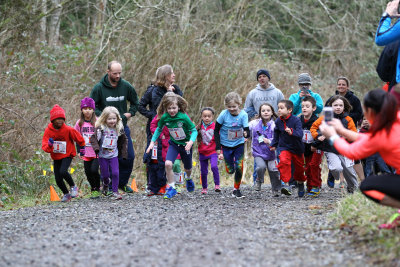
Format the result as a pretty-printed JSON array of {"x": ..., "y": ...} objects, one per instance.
[
  {"x": 60, "y": 147},
  {"x": 110, "y": 142},
  {"x": 154, "y": 152},
  {"x": 87, "y": 139},
  {"x": 307, "y": 137},
  {"x": 177, "y": 133},
  {"x": 235, "y": 134}
]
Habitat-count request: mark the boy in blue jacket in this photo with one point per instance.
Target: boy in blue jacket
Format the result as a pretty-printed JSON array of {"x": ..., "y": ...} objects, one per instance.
[{"x": 288, "y": 136}]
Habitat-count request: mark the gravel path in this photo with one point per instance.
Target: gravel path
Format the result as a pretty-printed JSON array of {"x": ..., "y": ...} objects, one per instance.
[{"x": 189, "y": 230}]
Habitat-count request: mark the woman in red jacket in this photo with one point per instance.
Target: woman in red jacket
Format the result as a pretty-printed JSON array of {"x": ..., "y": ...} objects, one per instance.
[
  {"x": 381, "y": 110},
  {"x": 58, "y": 140}
]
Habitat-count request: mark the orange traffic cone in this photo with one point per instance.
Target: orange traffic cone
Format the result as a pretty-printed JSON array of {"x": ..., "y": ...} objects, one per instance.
[
  {"x": 53, "y": 194},
  {"x": 134, "y": 186}
]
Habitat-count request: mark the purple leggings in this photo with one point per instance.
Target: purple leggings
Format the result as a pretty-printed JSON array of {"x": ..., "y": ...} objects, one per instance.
[
  {"x": 204, "y": 168},
  {"x": 105, "y": 165}
]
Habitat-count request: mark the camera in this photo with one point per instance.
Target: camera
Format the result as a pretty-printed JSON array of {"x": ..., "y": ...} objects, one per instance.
[{"x": 328, "y": 113}]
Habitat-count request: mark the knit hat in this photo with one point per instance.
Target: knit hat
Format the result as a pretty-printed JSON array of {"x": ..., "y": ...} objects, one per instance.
[
  {"x": 304, "y": 78},
  {"x": 87, "y": 102},
  {"x": 57, "y": 112},
  {"x": 265, "y": 72}
]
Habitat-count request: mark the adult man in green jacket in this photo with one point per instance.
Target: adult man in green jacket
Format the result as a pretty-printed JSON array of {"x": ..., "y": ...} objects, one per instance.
[{"x": 114, "y": 91}]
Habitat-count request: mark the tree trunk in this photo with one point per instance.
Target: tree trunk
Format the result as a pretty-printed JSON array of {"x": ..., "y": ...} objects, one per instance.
[
  {"x": 185, "y": 15},
  {"x": 54, "y": 27},
  {"x": 43, "y": 23},
  {"x": 99, "y": 20}
]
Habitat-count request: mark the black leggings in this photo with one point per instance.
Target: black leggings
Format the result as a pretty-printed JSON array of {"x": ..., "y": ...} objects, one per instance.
[
  {"x": 376, "y": 187},
  {"x": 92, "y": 173},
  {"x": 61, "y": 173}
]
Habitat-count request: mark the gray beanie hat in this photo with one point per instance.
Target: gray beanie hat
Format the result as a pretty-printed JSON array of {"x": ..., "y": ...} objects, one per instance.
[{"x": 304, "y": 78}]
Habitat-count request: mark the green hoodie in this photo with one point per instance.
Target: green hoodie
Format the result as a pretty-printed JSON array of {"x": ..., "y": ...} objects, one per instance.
[{"x": 105, "y": 95}]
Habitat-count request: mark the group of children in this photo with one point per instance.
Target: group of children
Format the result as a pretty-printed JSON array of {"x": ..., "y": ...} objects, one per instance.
[{"x": 286, "y": 145}]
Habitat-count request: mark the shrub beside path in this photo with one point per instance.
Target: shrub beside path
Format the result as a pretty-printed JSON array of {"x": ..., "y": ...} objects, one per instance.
[{"x": 189, "y": 230}]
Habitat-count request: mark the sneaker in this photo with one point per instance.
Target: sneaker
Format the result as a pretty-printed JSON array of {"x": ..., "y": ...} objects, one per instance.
[
  {"x": 204, "y": 191},
  {"x": 190, "y": 185},
  {"x": 300, "y": 189},
  {"x": 95, "y": 194},
  {"x": 170, "y": 193},
  {"x": 236, "y": 193},
  {"x": 331, "y": 183},
  {"x": 127, "y": 189},
  {"x": 74, "y": 191},
  {"x": 178, "y": 188},
  {"x": 293, "y": 184},
  {"x": 350, "y": 190},
  {"x": 151, "y": 193},
  {"x": 285, "y": 190},
  {"x": 257, "y": 186},
  {"x": 66, "y": 198},
  {"x": 275, "y": 193},
  {"x": 117, "y": 196},
  {"x": 314, "y": 192},
  {"x": 217, "y": 188},
  {"x": 394, "y": 222},
  {"x": 162, "y": 189},
  {"x": 106, "y": 190}
]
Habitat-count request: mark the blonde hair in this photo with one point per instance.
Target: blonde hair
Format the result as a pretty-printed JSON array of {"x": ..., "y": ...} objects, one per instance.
[
  {"x": 161, "y": 75},
  {"x": 168, "y": 99},
  {"x": 233, "y": 97},
  {"x": 102, "y": 120}
]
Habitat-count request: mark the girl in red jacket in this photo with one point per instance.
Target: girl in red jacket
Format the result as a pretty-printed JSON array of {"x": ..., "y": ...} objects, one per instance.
[
  {"x": 58, "y": 140},
  {"x": 206, "y": 148}
]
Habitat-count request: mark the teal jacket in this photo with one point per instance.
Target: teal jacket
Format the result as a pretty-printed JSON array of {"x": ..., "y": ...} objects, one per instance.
[
  {"x": 105, "y": 95},
  {"x": 296, "y": 99}
]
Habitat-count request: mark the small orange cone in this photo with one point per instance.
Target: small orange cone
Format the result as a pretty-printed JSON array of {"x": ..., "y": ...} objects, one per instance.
[
  {"x": 53, "y": 194},
  {"x": 134, "y": 186}
]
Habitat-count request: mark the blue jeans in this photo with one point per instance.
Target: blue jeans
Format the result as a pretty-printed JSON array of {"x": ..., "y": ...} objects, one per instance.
[
  {"x": 369, "y": 162},
  {"x": 126, "y": 166}
]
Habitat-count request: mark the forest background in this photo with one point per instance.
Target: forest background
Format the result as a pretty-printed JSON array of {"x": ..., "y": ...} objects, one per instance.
[{"x": 55, "y": 51}]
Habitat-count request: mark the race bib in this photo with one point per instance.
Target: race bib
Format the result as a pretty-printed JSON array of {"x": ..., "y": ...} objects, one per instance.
[
  {"x": 177, "y": 133},
  {"x": 87, "y": 139},
  {"x": 272, "y": 165},
  {"x": 110, "y": 142},
  {"x": 60, "y": 147},
  {"x": 307, "y": 137},
  {"x": 261, "y": 139},
  {"x": 154, "y": 152},
  {"x": 235, "y": 134}
]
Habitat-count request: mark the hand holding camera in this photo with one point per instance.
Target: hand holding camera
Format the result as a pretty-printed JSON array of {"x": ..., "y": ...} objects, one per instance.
[{"x": 393, "y": 8}]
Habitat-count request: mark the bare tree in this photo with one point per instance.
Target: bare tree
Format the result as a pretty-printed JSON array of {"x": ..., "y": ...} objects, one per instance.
[{"x": 54, "y": 27}]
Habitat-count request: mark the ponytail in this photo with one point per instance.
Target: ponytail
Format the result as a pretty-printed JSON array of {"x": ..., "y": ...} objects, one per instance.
[{"x": 385, "y": 107}]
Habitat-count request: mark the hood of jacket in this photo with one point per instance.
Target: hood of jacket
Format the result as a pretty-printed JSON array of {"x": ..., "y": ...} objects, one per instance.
[
  {"x": 270, "y": 87},
  {"x": 106, "y": 83}
]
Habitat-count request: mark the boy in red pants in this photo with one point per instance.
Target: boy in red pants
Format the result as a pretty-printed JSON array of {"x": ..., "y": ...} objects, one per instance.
[
  {"x": 288, "y": 136},
  {"x": 313, "y": 157}
]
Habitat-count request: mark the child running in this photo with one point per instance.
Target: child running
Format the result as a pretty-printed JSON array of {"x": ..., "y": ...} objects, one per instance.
[
  {"x": 230, "y": 136},
  {"x": 183, "y": 133},
  {"x": 288, "y": 136},
  {"x": 108, "y": 140},
  {"x": 58, "y": 140},
  {"x": 206, "y": 148},
  {"x": 312, "y": 156},
  {"x": 337, "y": 163},
  {"x": 262, "y": 133},
  {"x": 85, "y": 125}
]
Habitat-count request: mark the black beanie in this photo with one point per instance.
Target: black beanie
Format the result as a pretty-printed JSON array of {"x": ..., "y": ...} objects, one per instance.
[{"x": 263, "y": 71}]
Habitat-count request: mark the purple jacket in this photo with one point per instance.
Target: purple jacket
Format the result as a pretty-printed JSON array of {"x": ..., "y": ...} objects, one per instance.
[{"x": 262, "y": 149}]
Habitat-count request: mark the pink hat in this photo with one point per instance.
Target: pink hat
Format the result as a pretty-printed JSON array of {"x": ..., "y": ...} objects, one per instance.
[
  {"x": 87, "y": 102},
  {"x": 57, "y": 112}
]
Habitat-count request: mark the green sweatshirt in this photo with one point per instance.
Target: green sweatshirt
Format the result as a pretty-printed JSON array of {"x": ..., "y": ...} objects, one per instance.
[{"x": 105, "y": 95}]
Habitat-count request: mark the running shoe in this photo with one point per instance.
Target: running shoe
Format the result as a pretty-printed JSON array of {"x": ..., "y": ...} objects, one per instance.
[
  {"x": 331, "y": 183},
  {"x": 217, "y": 188},
  {"x": 127, "y": 189},
  {"x": 275, "y": 193},
  {"x": 237, "y": 194},
  {"x": 257, "y": 186},
  {"x": 117, "y": 196},
  {"x": 394, "y": 222},
  {"x": 204, "y": 191},
  {"x": 74, "y": 191},
  {"x": 95, "y": 194},
  {"x": 66, "y": 198},
  {"x": 285, "y": 190},
  {"x": 314, "y": 192},
  {"x": 300, "y": 189},
  {"x": 162, "y": 189},
  {"x": 190, "y": 185},
  {"x": 170, "y": 193},
  {"x": 178, "y": 188}
]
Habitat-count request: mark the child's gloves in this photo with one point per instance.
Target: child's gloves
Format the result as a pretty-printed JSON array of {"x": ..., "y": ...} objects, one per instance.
[
  {"x": 50, "y": 142},
  {"x": 82, "y": 152}
]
